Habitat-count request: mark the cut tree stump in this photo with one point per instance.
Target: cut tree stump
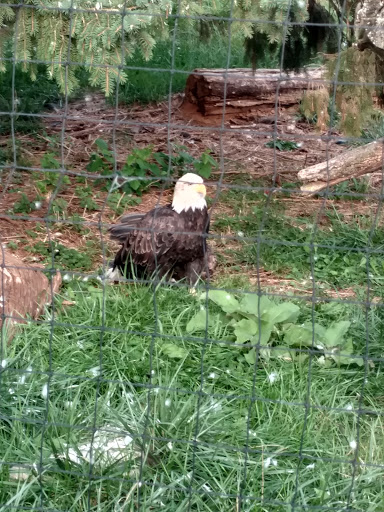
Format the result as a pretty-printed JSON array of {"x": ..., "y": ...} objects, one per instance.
[
  {"x": 24, "y": 291},
  {"x": 351, "y": 164},
  {"x": 246, "y": 92}
]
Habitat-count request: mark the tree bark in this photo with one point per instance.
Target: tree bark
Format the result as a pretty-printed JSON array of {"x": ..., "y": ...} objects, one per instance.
[
  {"x": 353, "y": 163},
  {"x": 245, "y": 91},
  {"x": 369, "y": 20},
  {"x": 24, "y": 291}
]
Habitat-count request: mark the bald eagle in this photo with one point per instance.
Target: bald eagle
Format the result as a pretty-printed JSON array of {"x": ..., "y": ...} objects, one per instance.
[{"x": 168, "y": 240}]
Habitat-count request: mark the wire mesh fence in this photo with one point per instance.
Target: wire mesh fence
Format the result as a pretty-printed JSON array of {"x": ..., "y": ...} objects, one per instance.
[{"x": 261, "y": 387}]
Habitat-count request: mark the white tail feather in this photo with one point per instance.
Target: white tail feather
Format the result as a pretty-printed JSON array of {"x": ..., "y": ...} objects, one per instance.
[{"x": 112, "y": 275}]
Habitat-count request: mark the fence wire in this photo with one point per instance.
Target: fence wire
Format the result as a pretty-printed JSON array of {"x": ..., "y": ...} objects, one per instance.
[{"x": 112, "y": 398}]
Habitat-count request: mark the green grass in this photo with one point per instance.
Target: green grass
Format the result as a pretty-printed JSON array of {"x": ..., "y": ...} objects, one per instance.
[
  {"x": 68, "y": 357},
  {"x": 189, "y": 53},
  {"x": 144, "y": 85},
  {"x": 339, "y": 254}
]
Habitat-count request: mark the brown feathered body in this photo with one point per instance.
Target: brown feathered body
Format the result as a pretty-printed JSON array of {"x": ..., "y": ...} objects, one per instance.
[
  {"x": 164, "y": 242},
  {"x": 24, "y": 291}
]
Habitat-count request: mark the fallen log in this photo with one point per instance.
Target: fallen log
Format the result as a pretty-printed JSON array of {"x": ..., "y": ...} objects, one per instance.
[
  {"x": 351, "y": 164},
  {"x": 247, "y": 92},
  {"x": 24, "y": 292}
]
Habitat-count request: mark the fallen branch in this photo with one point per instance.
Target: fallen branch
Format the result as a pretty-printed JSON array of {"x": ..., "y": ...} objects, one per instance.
[
  {"x": 351, "y": 164},
  {"x": 240, "y": 91}
]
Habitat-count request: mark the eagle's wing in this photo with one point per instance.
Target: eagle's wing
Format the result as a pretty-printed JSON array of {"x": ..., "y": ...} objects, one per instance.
[
  {"x": 124, "y": 228},
  {"x": 155, "y": 235},
  {"x": 126, "y": 225},
  {"x": 152, "y": 237}
]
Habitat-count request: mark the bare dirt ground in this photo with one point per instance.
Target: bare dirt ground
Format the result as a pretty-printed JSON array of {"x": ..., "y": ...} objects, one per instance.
[
  {"x": 240, "y": 150},
  {"x": 241, "y": 144}
]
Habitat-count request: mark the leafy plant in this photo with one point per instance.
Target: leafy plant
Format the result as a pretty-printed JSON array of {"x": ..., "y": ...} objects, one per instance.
[
  {"x": 12, "y": 245},
  {"x": 85, "y": 194},
  {"x": 144, "y": 167},
  {"x": 24, "y": 205},
  {"x": 118, "y": 202},
  {"x": 59, "y": 207},
  {"x": 282, "y": 145},
  {"x": 142, "y": 163},
  {"x": 102, "y": 160},
  {"x": 50, "y": 179},
  {"x": 205, "y": 164},
  {"x": 346, "y": 190},
  {"x": 258, "y": 321},
  {"x": 33, "y": 233},
  {"x": 98, "y": 36},
  {"x": 77, "y": 224},
  {"x": 49, "y": 161},
  {"x": 67, "y": 258}
]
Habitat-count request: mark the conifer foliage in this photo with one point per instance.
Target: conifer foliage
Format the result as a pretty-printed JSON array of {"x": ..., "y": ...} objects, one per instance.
[
  {"x": 102, "y": 36},
  {"x": 68, "y": 34},
  {"x": 290, "y": 22}
]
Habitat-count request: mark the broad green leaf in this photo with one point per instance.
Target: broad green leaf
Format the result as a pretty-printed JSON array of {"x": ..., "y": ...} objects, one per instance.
[
  {"x": 198, "y": 322},
  {"x": 285, "y": 312},
  {"x": 127, "y": 170},
  {"x": 155, "y": 169},
  {"x": 349, "y": 360},
  {"x": 245, "y": 330},
  {"x": 248, "y": 330},
  {"x": 143, "y": 165},
  {"x": 264, "y": 353},
  {"x": 134, "y": 184},
  {"x": 101, "y": 144},
  {"x": 161, "y": 158},
  {"x": 266, "y": 331},
  {"x": 285, "y": 354},
  {"x": 302, "y": 335},
  {"x": 253, "y": 303},
  {"x": 334, "y": 334},
  {"x": 250, "y": 356},
  {"x": 341, "y": 359},
  {"x": 95, "y": 165},
  {"x": 234, "y": 319},
  {"x": 343, "y": 355},
  {"x": 301, "y": 358},
  {"x": 225, "y": 300},
  {"x": 131, "y": 159},
  {"x": 174, "y": 351},
  {"x": 203, "y": 169},
  {"x": 186, "y": 157},
  {"x": 347, "y": 348},
  {"x": 281, "y": 145}
]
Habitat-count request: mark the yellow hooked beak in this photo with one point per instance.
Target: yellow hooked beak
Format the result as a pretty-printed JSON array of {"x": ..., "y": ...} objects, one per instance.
[{"x": 201, "y": 189}]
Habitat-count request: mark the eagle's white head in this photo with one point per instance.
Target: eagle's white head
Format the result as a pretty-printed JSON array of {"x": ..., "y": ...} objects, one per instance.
[{"x": 189, "y": 193}]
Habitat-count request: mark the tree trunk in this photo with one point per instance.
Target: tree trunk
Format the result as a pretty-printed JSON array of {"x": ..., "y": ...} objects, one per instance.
[
  {"x": 247, "y": 92},
  {"x": 24, "y": 292},
  {"x": 370, "y": 23},
  {"x": 353, "y": 163}
]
